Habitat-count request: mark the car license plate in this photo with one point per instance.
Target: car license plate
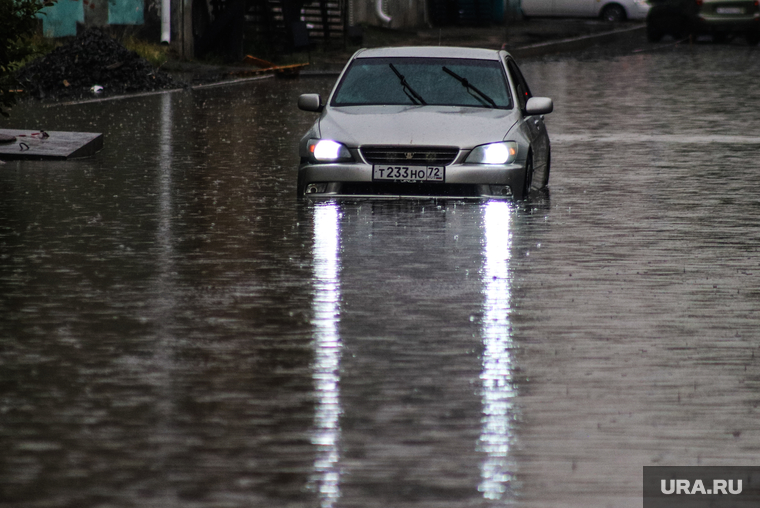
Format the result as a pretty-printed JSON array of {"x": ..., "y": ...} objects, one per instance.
[
  {"x": 409, "y": 173},
  {"x": 729, "y": 10}
]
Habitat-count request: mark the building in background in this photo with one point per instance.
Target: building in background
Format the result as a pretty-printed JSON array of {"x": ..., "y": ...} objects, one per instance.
[
  {"x": 62, "y": 18},
  {"x": 195, "y": 26}
]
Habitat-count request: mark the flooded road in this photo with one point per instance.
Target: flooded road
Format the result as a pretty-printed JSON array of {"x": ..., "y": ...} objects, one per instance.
[{"x": 176, "y": 331}]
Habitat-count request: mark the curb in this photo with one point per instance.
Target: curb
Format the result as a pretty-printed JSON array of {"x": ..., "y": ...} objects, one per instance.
[
  {"x": 572, "y": 44},
  {"x": 533, "y": 50},
  {"x": 160, "y": 92}
]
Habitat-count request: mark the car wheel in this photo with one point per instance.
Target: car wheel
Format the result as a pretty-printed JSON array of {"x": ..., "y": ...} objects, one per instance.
[
  {"x": 753, "y": 38},
  {"x": 613, "y": 13},
  {"x": 719, "y": 38},
  {"x": 528, "y": 181},
  {"x": 300, "y": 188},
  {"x": 548, "y": 169}
]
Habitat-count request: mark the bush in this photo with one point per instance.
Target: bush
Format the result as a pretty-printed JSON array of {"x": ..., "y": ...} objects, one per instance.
[{"x": 18, "y": 23}]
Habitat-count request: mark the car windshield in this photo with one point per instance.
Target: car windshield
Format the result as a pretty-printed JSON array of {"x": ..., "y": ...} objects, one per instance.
[{"x": 423, "y": 81}]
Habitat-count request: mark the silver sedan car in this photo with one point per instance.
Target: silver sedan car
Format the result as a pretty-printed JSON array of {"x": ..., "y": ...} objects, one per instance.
[{"x": 426, "y": 121}]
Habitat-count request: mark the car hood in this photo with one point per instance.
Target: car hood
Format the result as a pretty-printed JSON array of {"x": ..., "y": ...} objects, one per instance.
[{"x": 464, "y": 127}]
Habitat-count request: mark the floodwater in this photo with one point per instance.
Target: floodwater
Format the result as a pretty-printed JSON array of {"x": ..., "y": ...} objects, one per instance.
[{"x": 176, "y": 331}]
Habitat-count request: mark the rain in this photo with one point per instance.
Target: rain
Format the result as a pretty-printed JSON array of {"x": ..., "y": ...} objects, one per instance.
[{"x": 176, "y": 329}]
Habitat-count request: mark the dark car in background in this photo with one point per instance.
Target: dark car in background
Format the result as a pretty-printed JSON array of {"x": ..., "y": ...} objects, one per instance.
[{"x": 722, "y": 19}]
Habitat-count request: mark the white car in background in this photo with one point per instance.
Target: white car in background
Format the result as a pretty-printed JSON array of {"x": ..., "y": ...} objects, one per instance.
[{"x": 610, "y": 10}]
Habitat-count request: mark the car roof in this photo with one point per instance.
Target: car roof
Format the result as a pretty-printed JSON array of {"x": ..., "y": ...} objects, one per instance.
[{"x": 431, "y": 52}]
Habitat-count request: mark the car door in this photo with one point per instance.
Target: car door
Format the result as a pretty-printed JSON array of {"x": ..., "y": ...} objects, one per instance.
[
  {"x": 574, "y": 8},
  {"x": 539, "y": 139},
  {"x": 537, "y": 7}
]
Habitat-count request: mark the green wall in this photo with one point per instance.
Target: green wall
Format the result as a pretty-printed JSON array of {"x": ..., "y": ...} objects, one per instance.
[{"x": 61, "y": 18}]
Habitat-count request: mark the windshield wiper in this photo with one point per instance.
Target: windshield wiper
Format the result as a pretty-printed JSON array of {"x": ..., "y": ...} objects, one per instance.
[
  {"x": 408, "y": 90},
  {"x": 470, "y": 86}
]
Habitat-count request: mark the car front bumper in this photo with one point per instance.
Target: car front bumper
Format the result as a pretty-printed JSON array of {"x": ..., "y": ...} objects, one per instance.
[{"x": 351, "y": 179}]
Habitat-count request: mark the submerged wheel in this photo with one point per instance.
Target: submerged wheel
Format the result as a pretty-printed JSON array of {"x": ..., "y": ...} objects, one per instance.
[
  {"x": 548, "y": 168},
  {"x": 613, "y": 13},
  {"x": 528, "y": 181},
  {"x": 300, "y": 188}
]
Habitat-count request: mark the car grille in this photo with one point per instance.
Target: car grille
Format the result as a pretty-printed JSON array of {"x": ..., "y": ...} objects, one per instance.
[{"x": 423, "y": 155}]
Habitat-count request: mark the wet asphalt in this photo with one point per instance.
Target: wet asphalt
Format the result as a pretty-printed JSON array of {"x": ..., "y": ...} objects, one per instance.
[{"x": 176, "y": 330}]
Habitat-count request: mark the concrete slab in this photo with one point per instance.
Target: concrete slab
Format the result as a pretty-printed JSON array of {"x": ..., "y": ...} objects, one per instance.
[{"x": 53, "y": 145}]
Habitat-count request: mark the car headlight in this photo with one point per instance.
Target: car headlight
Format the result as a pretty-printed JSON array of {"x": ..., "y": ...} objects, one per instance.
[
  {"x": 494, "y": 153},
  {"x": 327, "y": 150}
]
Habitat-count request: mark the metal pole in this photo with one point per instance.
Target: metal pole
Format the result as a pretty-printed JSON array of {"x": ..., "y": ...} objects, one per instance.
[{"x": 166, "y": 21}]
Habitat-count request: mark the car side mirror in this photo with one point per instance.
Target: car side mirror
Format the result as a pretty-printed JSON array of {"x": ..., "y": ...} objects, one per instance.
[
  {"x": 310, "y": 102},
  {"x": 538, "y": 106}
]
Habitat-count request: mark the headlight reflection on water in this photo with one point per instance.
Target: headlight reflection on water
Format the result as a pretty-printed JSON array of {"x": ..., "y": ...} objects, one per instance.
[
  {"x": 496, "y": 375},
  {"x": 328, "y": 346},
  {"x": 495, "y": 437}
]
